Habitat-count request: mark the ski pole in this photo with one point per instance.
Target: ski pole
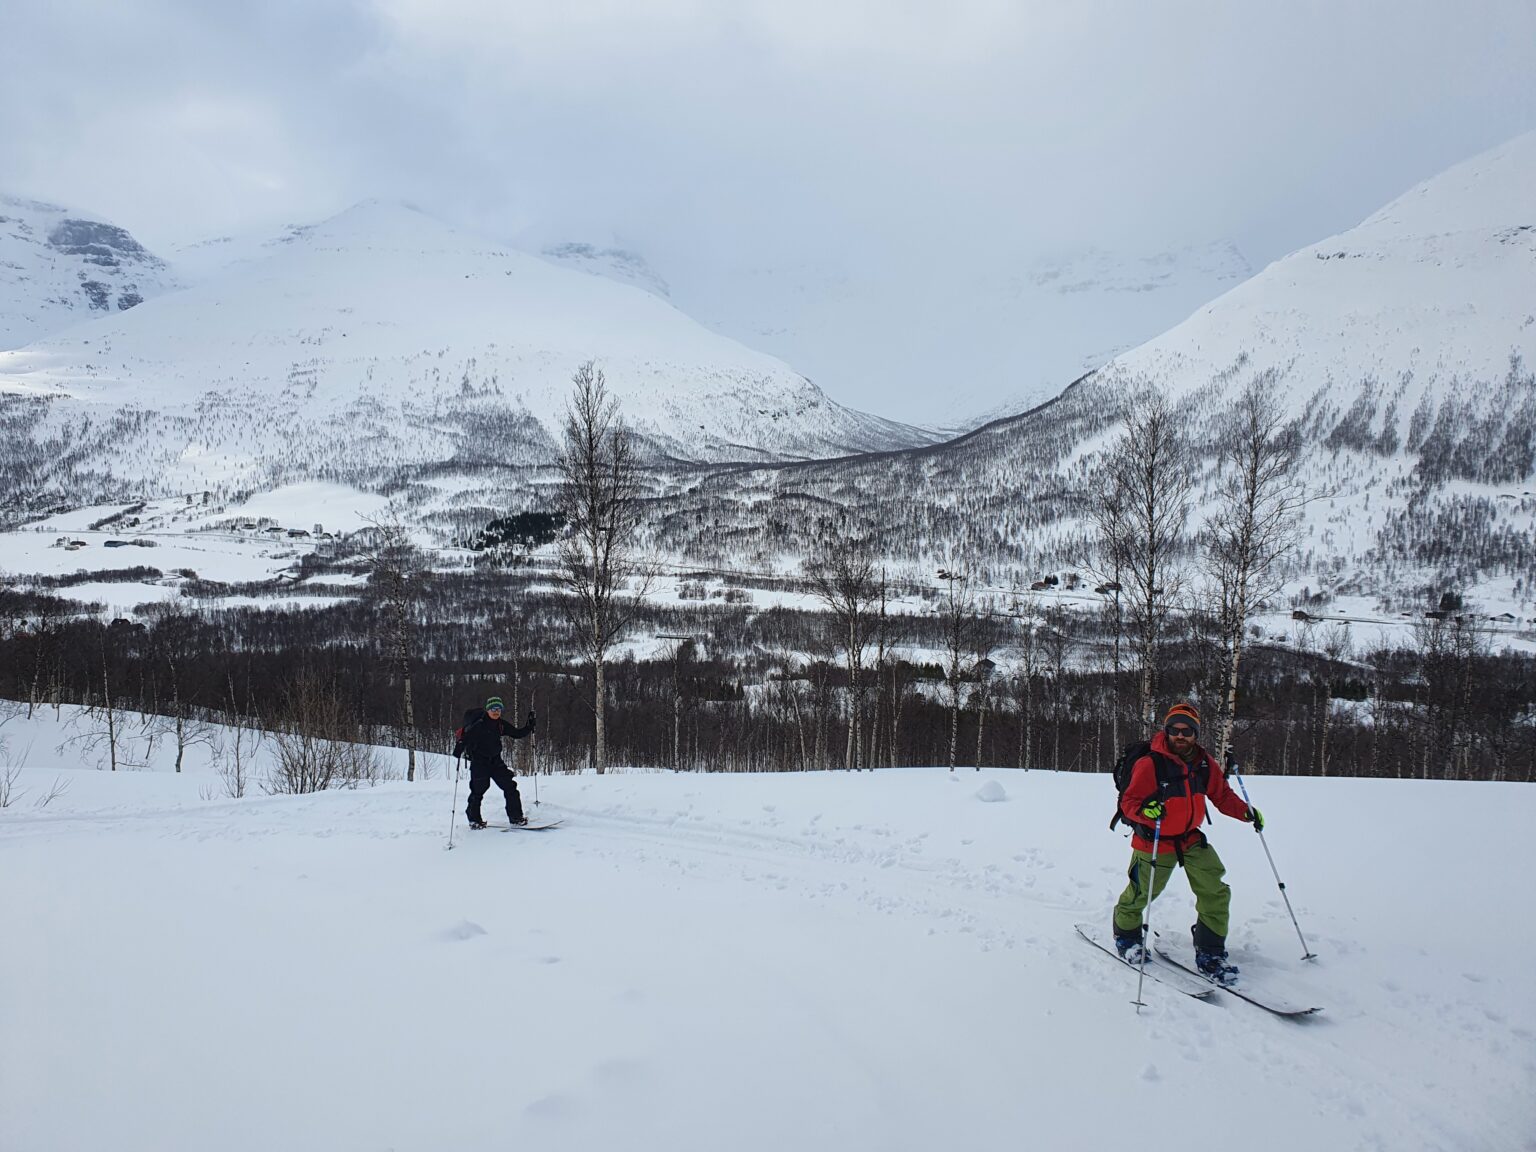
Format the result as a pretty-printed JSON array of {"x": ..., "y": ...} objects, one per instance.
[
  {"x": 458, "y": 762},
  {"x": 532, "y": 702},
  {"x": 1307, "y": 953},
  {"x": 1146, "y": 917}
]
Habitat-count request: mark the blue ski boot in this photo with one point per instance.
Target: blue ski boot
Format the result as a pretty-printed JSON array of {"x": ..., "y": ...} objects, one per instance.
[
  {"x": 1131, "y": 947},
  {"x": 1211, "y": 956}
]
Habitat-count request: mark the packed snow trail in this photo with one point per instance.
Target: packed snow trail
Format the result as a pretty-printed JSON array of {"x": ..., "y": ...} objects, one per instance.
[{"x": 823, "y": 961}]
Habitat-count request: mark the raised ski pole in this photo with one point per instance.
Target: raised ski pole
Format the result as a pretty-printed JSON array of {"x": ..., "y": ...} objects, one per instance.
[
  {"x": 458, "y": 762},
  {"x": 532, "y": 700},
  {"x": 1306, "y": 953},
  {"x": 1146, "y": 918}
]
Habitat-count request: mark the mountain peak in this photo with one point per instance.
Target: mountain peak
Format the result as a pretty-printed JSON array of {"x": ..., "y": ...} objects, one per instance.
[
  {"x": 60, "y": 267},
  {"x": 1492, "y": 190}
]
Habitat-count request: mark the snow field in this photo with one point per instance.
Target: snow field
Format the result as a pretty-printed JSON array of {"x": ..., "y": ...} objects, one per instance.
[{"x": 872, "y": 961}]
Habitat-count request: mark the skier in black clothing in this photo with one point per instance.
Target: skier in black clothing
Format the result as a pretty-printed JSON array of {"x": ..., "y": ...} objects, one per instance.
[{"x": 480, "y": 740}]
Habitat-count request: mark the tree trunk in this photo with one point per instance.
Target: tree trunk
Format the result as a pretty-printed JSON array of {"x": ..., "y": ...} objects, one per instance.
[
  {"x": 410, "y": 729},
  {"x": 954, "y": 722},
  {"x": 600, "y": 752}
]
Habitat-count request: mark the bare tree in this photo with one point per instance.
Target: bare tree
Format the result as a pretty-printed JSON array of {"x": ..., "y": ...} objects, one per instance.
[
  {"x": 395, "y": 567},
  {"x": 882, "y": 630},
  {"x": 108, "y": 709},
  {"x": 1336, "y": 647},
  {"x": 1255, "y": 526},
  {"x": 901, "y": 689},
  {"x": 318, "y": 742},
  {"x": 600, "y": 497},
  {"x": 1026, "y": 611},
  {"x": 958, "y": 621},
  {"x": 1149, "y": 475},
  {"x": 1057, "y": 642},
  {"x": 842, "y": 574},
  {"x": 10, "y": 772},
  {"x": 172, "y": 641},
  {"x": 235, "y": 747},
  {"x": 1447, "y": 645}
]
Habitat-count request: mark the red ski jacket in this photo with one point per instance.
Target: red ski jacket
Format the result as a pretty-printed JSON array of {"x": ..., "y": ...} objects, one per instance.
[{"x": 1184, "y": 791}]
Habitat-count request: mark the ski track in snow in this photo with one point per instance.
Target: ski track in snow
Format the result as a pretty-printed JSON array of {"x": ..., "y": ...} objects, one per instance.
[{"x": 876, "y": 961}]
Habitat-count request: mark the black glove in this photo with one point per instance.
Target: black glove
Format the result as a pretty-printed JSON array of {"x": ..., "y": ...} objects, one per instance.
[{"x": 533, "y": 721}]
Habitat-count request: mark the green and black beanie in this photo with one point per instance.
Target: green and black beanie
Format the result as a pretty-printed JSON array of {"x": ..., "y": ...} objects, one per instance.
[{"x": 494, "y": 702}]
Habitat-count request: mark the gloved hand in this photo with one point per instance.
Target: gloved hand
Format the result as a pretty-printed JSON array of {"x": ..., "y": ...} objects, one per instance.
[
  {"x": 1152, "y": 810},
  {"x": 1256, "y": 818},
  {"x": 533, "y": 721}
]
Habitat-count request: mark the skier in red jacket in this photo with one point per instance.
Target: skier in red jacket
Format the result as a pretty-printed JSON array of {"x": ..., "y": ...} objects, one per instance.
[{"x": 1170, "y": 784}]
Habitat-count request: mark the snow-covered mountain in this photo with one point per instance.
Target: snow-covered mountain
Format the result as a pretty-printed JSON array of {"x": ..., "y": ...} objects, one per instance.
[
  {"x": 1403, "y": 346},
  {"x": 59, "y": 267},
  {"x": 383, "y": 339},
  {"x": 1425, "y": 299},
  {"x": 952, "y": 351},
  {"x": 620, "y": 264}
]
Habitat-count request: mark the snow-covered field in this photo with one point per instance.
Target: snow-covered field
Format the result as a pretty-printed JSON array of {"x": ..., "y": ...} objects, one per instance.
[{"x": 822, "y": 961}]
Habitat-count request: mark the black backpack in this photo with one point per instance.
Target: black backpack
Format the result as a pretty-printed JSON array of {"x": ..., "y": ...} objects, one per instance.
[
  {"x": 471, "y": 718},
  {"x": 1167, "y": 773}
]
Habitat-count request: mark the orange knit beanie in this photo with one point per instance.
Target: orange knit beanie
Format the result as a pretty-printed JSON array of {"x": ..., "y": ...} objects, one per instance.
[{"x": 1183, "y": 710}]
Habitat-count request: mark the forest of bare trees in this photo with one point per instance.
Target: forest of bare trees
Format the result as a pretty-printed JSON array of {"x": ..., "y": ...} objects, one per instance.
[
  {"x": 855, "y": 668},
  {"x": 769, "y": 690}
]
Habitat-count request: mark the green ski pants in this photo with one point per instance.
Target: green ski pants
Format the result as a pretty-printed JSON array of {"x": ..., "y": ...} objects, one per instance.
[{"x": 1213, "y": 898}]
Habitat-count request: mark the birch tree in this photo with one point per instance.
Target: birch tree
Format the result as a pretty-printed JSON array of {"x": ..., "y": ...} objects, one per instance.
[
  {"x": 600, "y": 496},
  {"x": 1255, "y": 526},
  {"x": 958, "y": 621},
  {"x": 843, "y": 577},
  {"x": 395, "y": 568},
  {"x": 1151, "y": 474}
]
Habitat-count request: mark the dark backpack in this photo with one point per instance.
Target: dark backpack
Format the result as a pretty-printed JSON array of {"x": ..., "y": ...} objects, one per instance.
[
  {"x": 1166, "y": 770},
  {"x": 471, "y": 718}
]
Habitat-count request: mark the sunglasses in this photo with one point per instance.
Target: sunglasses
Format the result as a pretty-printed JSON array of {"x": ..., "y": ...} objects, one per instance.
[
  {"x": 1181, "y": 730},
  {"x": 494, "y": 708}
]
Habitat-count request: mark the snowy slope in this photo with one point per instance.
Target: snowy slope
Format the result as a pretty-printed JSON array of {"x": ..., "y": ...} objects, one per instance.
[
  {"x": 818, "y": 961},
  {"x": 59, "y": 267},
  {"x": 1404, "y": 347},
  {"x": 619, "y": 264},
  {"x": 953, "y": 349},
  {"x": 382, "y": 338},
  {"x": 1438, "y": 288}
]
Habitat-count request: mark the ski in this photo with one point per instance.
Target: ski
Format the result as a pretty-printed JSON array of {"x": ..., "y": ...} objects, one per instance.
[
  {"x": 1288, "y": 1011},
  {"x": 545, "y": 827},
  {"x": 1197, "y": 989}
]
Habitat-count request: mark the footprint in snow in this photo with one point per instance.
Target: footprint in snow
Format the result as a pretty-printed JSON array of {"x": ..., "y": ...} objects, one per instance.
[{"x": 463, "y": 930}]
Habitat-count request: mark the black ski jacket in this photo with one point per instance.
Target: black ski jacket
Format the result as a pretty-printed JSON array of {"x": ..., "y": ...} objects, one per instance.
[{"x": 480, "y": 738}]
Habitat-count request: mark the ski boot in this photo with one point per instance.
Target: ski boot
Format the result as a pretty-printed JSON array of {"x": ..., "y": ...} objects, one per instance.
[
  {"x": 1211, "y": 956},
  {"x": 1130, "y": 946},
  {"x": 476, "y": 824}
]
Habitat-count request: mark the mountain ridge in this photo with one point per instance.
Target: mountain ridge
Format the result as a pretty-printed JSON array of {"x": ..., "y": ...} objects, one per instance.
[
  {"x": 363, "y": 340},
  {"x": 59, "y": 266}
]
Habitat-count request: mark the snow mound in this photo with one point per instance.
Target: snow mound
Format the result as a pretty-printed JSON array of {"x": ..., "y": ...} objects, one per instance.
[{"x": 991, "y": 792}]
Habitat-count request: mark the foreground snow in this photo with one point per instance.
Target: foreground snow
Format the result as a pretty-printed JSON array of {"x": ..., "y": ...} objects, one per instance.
[{"x": 819, "y": 961}]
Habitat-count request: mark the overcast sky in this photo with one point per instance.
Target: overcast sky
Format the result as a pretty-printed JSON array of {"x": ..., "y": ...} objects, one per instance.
[{"x": 761, "y": 127}]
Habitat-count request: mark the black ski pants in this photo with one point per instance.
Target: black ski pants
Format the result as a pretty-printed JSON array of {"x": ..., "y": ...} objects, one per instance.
[{"x": 481, "y": 773}]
